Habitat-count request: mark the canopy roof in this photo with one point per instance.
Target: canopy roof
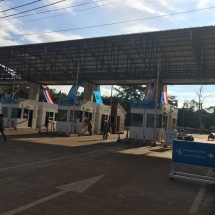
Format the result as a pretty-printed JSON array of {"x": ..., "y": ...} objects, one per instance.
[{"x": 183, "y": 56}]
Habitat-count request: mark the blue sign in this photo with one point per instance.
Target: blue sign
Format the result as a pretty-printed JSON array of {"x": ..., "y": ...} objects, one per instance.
[
  {"x": 193, "y": 153},
  {"x": 9, "y": 100},
  {"x": 69, "y": 102},
  {"x": 145, "y": 104}
]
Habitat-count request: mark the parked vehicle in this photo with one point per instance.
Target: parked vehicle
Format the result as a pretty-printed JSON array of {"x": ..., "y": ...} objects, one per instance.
[
  {"x": 182, "y": 135},
  {"x": 211, "y": 136}
]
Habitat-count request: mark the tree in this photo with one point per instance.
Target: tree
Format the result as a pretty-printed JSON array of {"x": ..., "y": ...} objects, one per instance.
[
  {"x": 187, "y": 116},
  {"x": 130, "y": 92},
  {"x": 127, "y": 93},
  {"x": 201, "y": 98},
  {"x": 172, "y": 100},
  {"x": 211, "y": 109}
]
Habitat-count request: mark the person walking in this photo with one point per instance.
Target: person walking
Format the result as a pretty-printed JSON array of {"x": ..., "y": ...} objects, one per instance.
[
  {"x": 105, "y": 130},
  {"x": 2, "y": 127}
]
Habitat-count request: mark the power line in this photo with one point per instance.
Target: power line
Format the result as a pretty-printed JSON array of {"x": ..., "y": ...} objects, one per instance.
[
  {"x": 109, "y": 24},
  {"x": 20, "y": 6},
  {"x": 47, "y": 11},
  {"x": 31, "y": 9},
  {"x": 89, "y": 8}
]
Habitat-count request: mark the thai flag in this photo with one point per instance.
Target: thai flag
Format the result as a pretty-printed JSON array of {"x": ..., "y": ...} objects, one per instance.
[
  {"x": 47, "y": 95},
  {"x": 150, "y": 91},
  {"x": 164, "y": 95}
]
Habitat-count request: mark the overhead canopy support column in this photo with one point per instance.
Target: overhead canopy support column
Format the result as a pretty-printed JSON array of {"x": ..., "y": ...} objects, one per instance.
[
  {"x": 34, "y": 91},
  {"x": 88, "y": 90}
]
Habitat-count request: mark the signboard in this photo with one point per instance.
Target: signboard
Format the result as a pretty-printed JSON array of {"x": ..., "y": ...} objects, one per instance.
[
  {"x": 144, "y": 104},
  {"x": 69, "y": 102},
  {"x": 193, "y": 153},
  {"x": 9, "y": 100},
  {"x": 169, "y": 137}
]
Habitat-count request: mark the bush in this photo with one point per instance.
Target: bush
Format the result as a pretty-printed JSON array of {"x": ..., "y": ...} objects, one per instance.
[
  {"x": 206, "y": 131},
  {"x": 212, "y": 128}
]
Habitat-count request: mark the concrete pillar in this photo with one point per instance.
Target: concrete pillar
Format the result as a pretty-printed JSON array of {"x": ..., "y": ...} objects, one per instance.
[
  {"x": 1, "y": 89},
  {"x": 34, "y": 91},
  {"x": 88, "y": 91}
]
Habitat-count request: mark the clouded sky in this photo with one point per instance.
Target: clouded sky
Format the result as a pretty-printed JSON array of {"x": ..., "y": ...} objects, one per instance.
[{"x": 26, "y": 21}]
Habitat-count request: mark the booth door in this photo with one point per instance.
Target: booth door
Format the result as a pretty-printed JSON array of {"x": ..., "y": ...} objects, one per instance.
[
  {"x": 103, "y": 118},
  {"x": 47, "y": 119},
  {"x": 118, "y": 124},
  {"x": 30, "y": 118}
]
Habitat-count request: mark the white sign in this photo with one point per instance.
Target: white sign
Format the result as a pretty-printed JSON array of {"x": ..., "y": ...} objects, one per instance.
[{"x": 169, "y": 137}]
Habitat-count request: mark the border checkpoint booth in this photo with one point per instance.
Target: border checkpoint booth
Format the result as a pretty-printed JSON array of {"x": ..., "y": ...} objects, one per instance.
[
  {"x": 82, "y": 110},
  {"x": 19, "y": 113},
  {"x": 46, "y": 116},
  {"x": 153, "y": 119},
  {"x": 73, "y": 113},
  {"x": 143, "y": 114}
]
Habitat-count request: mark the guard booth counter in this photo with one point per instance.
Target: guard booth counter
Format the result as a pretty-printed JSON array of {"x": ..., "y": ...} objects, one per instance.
[{"x": 150, "y": 120}]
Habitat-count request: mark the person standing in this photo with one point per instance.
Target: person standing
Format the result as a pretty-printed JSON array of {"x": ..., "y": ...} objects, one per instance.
[
  {"x": 2, "y": 127},
  {"x": 90, "y": 127},
  {"x": 105, "y": 130}
]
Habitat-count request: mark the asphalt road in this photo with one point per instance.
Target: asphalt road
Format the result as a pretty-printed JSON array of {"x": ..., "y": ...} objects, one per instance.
[{"x": 42, "y": 174}]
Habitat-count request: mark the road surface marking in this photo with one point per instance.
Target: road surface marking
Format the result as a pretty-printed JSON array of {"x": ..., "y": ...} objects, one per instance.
[
  {"x": 60, "y": 158},
  {"x": 197, "y": 202},
  {"x": 78, "y": 187}
]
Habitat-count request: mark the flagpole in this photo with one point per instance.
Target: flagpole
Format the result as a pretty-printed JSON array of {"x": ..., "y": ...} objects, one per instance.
[
  {"x": 156, "y": 104},
  {"x": 11, "y": 103},
  {"x": 73, "y": 115},
  {"x": 111, "y": 96}
]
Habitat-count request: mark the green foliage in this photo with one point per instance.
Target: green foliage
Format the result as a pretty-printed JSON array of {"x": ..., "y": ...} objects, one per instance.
[
  {"x": 127, "y": 93},
  {"x": 172, "y": 100},
  {"x": 212, "y": 128},
  {"x": 211, "y": 109},
  {"x": 205, "y": 131},
  {"x": 25, "y": 92}
]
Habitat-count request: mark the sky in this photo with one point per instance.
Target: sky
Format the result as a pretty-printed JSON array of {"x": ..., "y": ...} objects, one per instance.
[{"x": 28, "y": 21}]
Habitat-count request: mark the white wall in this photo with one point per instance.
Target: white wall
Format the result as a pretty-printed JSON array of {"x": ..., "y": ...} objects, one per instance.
[
  {"x": 143, "y": 132},
  {"x": 41, "y": 114}
]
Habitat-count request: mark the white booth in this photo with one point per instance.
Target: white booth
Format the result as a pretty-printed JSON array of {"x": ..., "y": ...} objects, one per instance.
[
  {"x": 21, "y": 113},
  {"x": 66, "y": 122},
  {"x": 46, "y": 116},
  {"x": 149, "y": 120}
]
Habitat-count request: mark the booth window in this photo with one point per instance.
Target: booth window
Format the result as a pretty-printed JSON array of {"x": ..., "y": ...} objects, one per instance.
[
  {"x": 16, "y": 113},
  {"x": 78, "y": 116},
  {"x": 150, "y": 120},
  {"x": 51, "y": 116},
  {"x": 25, "y": 113},
  {"x": 62, "y": 115},
  {"x": 88, "y": 115},
  {"x": 136, "y": 120},
  {"x": 5, "y": 111}
]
